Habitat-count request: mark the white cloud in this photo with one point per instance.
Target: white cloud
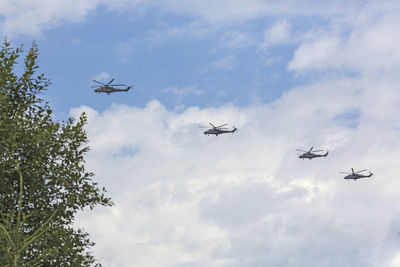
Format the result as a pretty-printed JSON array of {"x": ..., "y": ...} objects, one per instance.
[
  {"x": 364, "y": 41},
  {"x": 235, "y": 40},
  {"x": 277, "y": 33},
  {"x": 181, "y": 92},
  {"x": 103, "y": 77},
  {"x": 228, "y": 11},
  {"x": 194, "y": 29},
  {"x": 219, "y": 19},
  {"x": 315, "y": 54},
  {"x": 225, "y": 63},
  {"x": 32, "y": 17},
  {"x": 245, "y": 199}
]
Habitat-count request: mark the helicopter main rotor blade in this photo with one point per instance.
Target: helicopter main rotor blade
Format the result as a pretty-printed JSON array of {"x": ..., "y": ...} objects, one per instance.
[
  {"x": 212, "y": 125},
  {"x": 352, "y": 170},
  {"x": 345, "y": 172},
  {"x": 222, "y": 125},
  {"x": 99, "y": 82},
  {"x": 311, "y": 149},
  {"x": 317, "y": 150},
  {"x": 301, "y": 150},
  {"x": 117, "y": 85},
  {"x": 97, "y": 86},
  {"x": 110, "y": 82},
  {"x": 361, "y": 171}
]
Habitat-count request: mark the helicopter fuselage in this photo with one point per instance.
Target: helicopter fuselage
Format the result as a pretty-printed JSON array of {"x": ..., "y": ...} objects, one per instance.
[
  {"x": 355, "y": 176},
  {"x": 219, "y": 131},
  {"x": 109, "y": 89},
  {"x": 309, "y": 155}
]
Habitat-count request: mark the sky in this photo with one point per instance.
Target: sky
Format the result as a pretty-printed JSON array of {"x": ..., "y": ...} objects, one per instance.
[{"x": 288, "y": 75}]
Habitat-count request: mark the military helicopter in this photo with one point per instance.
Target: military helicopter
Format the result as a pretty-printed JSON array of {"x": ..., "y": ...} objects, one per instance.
[
  {"x": 310, "y": 154},
  {"x": 219, "y": 129},
  {"x": 109, "y": 88},
  {"x": 356, "y": 175}
]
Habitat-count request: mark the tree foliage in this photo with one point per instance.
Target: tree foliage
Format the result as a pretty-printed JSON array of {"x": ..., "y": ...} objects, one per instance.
[{"x": 43, "y": 181}]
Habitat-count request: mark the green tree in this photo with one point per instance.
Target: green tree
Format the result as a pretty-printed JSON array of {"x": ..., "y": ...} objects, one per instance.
[{"x": 43, "y": 181}]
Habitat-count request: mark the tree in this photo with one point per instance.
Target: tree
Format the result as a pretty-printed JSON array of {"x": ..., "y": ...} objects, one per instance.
[
  {"x": 12, "y": 229},
  {"x": 43, "y": 181}
]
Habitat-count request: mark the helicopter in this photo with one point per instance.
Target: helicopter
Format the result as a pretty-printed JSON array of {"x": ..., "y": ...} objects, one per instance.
[
  {"x": 310, "y": 154},
  {"x": 219, "y": 129},
  {"x": 356, "y": 175},
  {"x": 109, "y": 88}
]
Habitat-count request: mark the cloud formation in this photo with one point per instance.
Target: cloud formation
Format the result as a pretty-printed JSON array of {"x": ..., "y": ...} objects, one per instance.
[
  {"x": 103, "y": 76},
  {"x": 276, "y": 34},
  {"x": 245, "y": 199},
  {"x": 33, "y": 17},
  {"x": 363, "y": 41}
]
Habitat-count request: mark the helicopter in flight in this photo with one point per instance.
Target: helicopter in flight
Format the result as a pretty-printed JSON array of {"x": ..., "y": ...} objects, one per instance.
[
  {"x": 109, "y": 88},
  {"x": 356, "y": 175},
  {"x": 219, "y": 129},
  {"x": 310, "y": 154}
]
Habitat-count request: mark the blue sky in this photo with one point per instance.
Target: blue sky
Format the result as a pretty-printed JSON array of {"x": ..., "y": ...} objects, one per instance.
[
  {"x": 210, "y": 65},
  {"x": 322, "y": 74}
]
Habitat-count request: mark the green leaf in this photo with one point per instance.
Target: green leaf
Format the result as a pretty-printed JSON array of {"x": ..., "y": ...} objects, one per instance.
[{"x": 42, "y": 171}]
